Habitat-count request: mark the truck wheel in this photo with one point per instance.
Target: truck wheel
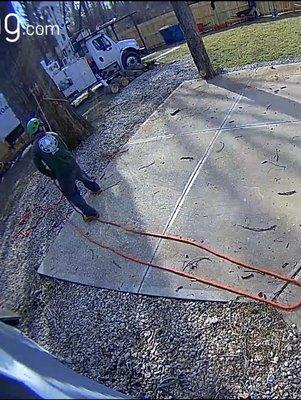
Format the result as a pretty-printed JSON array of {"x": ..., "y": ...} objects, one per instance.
[
  {"x": 114, "y": 88},
  {"x": 124, "y": 81},
  {"x": 131, "y": 59}
]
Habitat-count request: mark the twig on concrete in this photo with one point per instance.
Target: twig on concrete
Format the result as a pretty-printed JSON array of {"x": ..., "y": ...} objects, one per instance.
[
  {"x": 274, "y": 163},
  {"x": 110, "y": 176},
  {"x": 117, "y": 265},
  {"x": 109, "y": 187},
  {"x": 270, "y": 228},
  {"x": 175, "y": 112},
  {"x": 222, "y": 148},
  {"x": 255, "y": 272},
  {"x": 248, "y": 276},
  {"x": 287, "y": 193},
  {"x": 193, "y": 264},
  {"x": 278, "y": 165},
  {"x": 101, "y": 176},
  {"x": 146, "y": 166}
]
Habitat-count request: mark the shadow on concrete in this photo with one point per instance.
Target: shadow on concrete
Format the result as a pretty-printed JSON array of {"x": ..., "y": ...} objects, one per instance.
[
  {"x": 232, "y": 191},
  {"x": 74, "y": 258}
]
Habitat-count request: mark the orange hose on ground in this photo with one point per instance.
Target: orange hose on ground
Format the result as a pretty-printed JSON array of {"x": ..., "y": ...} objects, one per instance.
[
  {"x": 205, "y": 248},
  {"x": 285, "y": 307},
  {"x": 191, "y": 276}
]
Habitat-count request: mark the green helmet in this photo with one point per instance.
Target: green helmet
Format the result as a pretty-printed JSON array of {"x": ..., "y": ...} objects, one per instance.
[{"x": 33, "y": 125}]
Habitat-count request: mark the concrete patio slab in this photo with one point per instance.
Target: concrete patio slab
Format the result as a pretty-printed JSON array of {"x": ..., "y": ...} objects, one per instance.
[
  {"x": 238, "y": 188},
  {"x": 205, "y": 178}
]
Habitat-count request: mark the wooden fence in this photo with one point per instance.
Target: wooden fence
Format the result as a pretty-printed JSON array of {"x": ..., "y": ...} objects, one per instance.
[{"x": 225, "y": 11}]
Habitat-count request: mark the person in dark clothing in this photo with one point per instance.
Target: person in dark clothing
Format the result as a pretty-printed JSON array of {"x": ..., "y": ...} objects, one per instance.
[{"x": 53, "y": 159}]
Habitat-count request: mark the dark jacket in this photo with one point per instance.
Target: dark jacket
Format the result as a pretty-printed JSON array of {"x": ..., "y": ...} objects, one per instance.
[{"x": 51, "y": 155}]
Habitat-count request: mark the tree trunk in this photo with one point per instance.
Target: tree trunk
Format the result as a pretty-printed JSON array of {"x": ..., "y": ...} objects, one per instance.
[
  {"x": 101, "y": 13},
  {"x": 80, "y": 17},
  {"x": 45, "y": 43},
  {"x": 76, "y": 15},
  {"x": 63, "y": 11},
  {"x": 89, "y": 18},
  {"x": 194, "y": 40}
]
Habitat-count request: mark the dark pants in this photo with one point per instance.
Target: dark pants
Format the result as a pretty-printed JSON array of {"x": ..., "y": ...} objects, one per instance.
[{"x": 70, "y": 189}]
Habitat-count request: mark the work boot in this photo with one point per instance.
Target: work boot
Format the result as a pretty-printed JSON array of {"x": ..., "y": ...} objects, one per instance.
[
  {"x": 94, "y": 188},
  {"x": 90, "y": 218},
  {"x": 97, "y": 192}
]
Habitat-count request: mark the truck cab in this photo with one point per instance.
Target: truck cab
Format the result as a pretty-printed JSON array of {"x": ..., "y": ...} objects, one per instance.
[{"x": 108, "y": 56}]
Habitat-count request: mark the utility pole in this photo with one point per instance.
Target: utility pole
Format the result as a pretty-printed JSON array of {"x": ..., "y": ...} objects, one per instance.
[{"x": 194, "y": 40}]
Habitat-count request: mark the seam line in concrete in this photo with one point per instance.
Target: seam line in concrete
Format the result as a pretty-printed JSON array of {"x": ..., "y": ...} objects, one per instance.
[
  {"x": 294, "y": 274},
  {"x": 237, "y": 127},
  {"x": 194, "y": 175}
]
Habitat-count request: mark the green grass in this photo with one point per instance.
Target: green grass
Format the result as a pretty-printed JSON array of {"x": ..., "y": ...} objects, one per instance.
[{"x": 248, "y": 44}]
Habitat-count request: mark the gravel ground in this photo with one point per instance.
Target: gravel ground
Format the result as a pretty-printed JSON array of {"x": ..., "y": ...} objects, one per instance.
[{"x": 145, "y": 347}]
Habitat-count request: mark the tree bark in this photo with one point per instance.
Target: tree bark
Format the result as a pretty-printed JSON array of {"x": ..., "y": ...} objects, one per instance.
[
  {"x": 194, "y": 40},
  {"x": 63, "y": 11},
  {"x": 80, "y": 18},
  {"x": 100, "y": 13},
  {"x": 76, "y": 15},
  {"x": 89, "y": 18},
  {"x": 45, "y": 43}
]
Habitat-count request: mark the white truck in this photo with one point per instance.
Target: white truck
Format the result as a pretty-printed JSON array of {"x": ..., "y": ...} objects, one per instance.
[
  {"x": 11, "y": 130},
  {"x": 71, "y": 79},
  {"x": 95, "y": 52},
  {"x": 10, "y": 126},
  {"x": 99, "y": 58},
  {"x": 107, "y": 57}
]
